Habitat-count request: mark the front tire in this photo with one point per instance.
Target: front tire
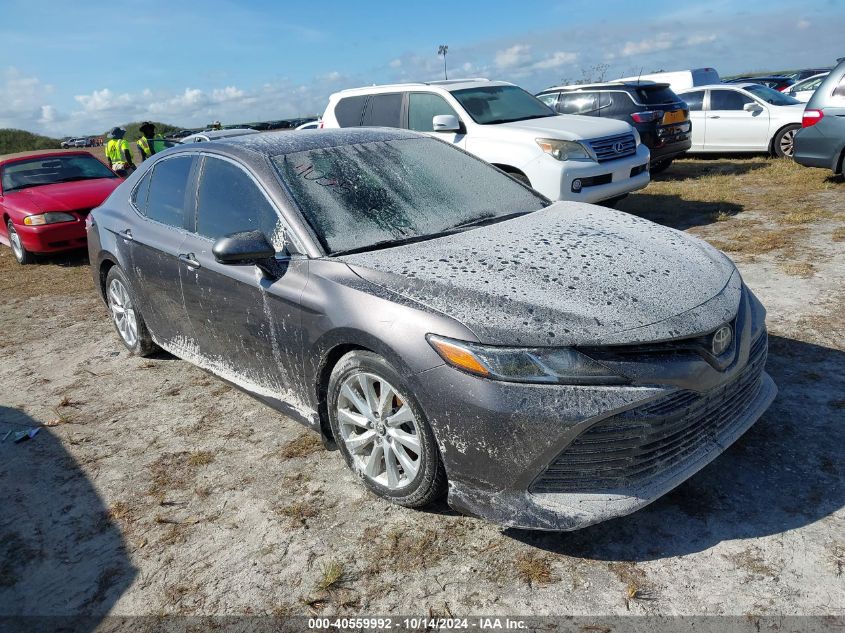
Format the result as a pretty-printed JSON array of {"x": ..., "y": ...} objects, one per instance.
[
  {"x": 783, "y": 145},
  {"x": 126, "y": 316},
  {"x": 382, "y": 431},
  {"x": 22, "y": 255}
]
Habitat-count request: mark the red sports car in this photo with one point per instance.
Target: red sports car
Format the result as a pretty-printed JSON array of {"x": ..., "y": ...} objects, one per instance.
[{"x": 45, "y": 197}]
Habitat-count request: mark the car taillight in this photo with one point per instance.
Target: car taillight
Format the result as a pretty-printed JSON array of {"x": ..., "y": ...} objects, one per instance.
[
  {"x": 321, "y": 125},
  {"x": 646, "y": 117},
  {"x": 811, "y": 117}
]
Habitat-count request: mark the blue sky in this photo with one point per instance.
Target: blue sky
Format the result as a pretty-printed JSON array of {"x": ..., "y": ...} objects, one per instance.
[{"x": 74, "y": 68}]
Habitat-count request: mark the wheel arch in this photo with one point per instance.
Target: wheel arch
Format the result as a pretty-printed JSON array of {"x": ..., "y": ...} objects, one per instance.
[
  {"x": 783, "y": 127},
  {"x": 106, "y": 264},
  {"x": 510, "y": 169}
]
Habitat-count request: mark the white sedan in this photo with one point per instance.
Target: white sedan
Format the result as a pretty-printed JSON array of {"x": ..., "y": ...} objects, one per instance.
[
  {"x": 742, "y": 118},
  {"x": 803, "y": 90}
]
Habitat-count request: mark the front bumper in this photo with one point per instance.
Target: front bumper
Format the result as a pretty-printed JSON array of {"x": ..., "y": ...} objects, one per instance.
[
  {"x": 554, "y": 178},
  {"x": 515, "y": 455},
  {"x": 52, "y": 238}
]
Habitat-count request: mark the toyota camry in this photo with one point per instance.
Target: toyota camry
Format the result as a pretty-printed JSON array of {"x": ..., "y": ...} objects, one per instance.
[{"x": 448, "y": 329}]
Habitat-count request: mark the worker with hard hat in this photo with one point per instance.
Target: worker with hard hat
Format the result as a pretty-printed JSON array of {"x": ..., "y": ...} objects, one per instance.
[{"x": 117, "y": 153}]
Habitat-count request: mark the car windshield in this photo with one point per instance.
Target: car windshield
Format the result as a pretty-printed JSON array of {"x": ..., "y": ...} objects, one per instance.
[
  {"x": 50, "y": 170},
  {"x": 770, "y": 95},
  {"x": 501, "y": 104},
  {"x": 372, "y": 195}
]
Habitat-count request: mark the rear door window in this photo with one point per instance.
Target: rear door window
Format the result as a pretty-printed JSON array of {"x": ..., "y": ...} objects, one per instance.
[
  {"x": 577, "y": 103},
  {"x": 728, "y": 100},
  {"x": 168, "y": 190},
  {"x": 349, "y": 111},
  {"x": 423, "y": 107},
  {"x": 694, "y": 100},
  {"x": 229, "y": 201},
  {"x": 139, "y": 196},
  {"x": 384, "y": 110}
]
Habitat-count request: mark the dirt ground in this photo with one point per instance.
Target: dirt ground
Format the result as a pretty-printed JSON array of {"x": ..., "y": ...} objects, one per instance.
[{"x": 153, "y": 488}]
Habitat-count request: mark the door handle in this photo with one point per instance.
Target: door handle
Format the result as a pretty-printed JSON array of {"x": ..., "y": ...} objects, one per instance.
[
  {"x": 126, "y": 234},
  {"x": 714, "y": 116},
  {"x": 189, "y": 259}
]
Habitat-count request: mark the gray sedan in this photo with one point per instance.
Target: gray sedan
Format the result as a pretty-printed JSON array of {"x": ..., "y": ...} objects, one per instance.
[{"x": 447, "y": 328}]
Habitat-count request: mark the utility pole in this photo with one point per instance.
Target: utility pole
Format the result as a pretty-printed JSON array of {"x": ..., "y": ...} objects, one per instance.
[{"x": 442, "y": 50}]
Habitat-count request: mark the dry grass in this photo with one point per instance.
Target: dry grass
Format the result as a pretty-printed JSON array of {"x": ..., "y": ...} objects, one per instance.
[
  {"x": 332, "y": 574},
  {"x": 200, "y": 458},
  {"x": 404, "y": 549},
  {"x": 751, "y": 561},
  {"x": 534, "y": 569},
  {"x": 634, "y": 579},
  {"x": 799, "y": 269},
  {"x": 304, "y": 445},
  {"x": 838, "y": 235},
  {"x": 300, "y": 511}
]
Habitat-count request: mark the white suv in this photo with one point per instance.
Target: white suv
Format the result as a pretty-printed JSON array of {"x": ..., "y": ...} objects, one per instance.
[{"x": 564, "y": 157}]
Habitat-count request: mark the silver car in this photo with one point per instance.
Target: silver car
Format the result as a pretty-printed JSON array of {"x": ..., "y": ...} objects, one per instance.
[{"x": 450, "y": 330}]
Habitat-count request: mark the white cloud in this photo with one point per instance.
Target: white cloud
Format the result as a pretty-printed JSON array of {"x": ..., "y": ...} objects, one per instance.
[
  {"x": 396, "y": 63},
  {"x": 697, "y": 40},
  {"x": 803, "y": 24},
  {"x": 514, "y": 57},
  {"x": 555, "y": 60},
  {"x": 660, "y": 42}
]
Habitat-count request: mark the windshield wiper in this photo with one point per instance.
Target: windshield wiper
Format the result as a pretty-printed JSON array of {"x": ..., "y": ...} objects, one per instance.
[
  {"x": 522, "y": 118},
  {"x": 490, "y": 219},
  {"x": 75, "y": 178}
]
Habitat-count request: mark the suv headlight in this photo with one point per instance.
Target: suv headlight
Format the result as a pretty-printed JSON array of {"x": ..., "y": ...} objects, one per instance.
[
  {"x": 564, "y": 150},
  {"x": 563, "y": 365},
  {"x": 51, "y": 217}
]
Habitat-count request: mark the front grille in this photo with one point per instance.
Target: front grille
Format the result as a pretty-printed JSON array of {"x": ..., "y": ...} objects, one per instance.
[
  {"x": 627, "y": 450},
  {"x": 614, "y": 147}
]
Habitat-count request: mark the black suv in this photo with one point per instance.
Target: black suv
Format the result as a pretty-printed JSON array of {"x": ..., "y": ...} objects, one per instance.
[{"x": 660, "y": 116}]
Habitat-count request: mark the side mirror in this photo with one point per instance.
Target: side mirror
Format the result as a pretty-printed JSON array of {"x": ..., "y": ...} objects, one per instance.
[
  {"x": 445, "y": 123},
  {"x": 247, "y": 247},
  {"x": 751, "y": 107}
]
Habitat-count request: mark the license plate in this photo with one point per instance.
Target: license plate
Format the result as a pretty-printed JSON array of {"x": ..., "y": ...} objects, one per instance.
[{"x": 675, "y": 116}]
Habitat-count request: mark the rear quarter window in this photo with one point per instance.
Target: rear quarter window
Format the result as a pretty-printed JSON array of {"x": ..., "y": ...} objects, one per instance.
[
  {"x": 349, "y": 111},
  {"x": 384, "y": 110}
]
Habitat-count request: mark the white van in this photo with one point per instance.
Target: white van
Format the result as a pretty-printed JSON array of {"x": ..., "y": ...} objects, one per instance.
[
  {"x": 681, "y": 79},
  {"x": 563, "y": 156}
]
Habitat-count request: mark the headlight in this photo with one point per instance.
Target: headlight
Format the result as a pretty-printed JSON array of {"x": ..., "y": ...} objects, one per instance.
[
  {"x": 564, "y": 150},
  {"x": 516, "y": 364},
  {"x": 51, "y": 217}
]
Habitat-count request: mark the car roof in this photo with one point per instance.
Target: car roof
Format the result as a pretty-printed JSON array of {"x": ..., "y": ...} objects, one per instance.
[
  {"x": 276, "y": 143},
  {"x": 10, "y": 158},
  {"x": 448, "y": 85},
  {"x": 609, "y": 85},
  {"x": 744, "y": 84}
]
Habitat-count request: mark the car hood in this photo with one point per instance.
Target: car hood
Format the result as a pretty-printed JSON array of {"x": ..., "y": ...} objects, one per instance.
[
  {"x": 569, "y": 274},
  {"x": 570, "y": 127},
  {"x": 65, "y": 196}
]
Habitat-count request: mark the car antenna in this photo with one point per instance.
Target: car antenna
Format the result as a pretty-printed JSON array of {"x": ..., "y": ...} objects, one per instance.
[{"x": 640, "y": 75}]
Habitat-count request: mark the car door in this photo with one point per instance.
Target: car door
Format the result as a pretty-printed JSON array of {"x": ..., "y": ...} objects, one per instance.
[
  {"x": 154, "y": 238},
  {"x": 697, "y": 115},
  {"x": 423, "y": 107},
  {"x": 732, "y": 128},
  {"x": 247, "y": 326}
]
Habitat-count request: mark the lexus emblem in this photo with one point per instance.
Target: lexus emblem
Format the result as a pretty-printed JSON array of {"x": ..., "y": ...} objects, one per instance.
[
  {"x": 618, "y": 147},
  {"x": 722, "y": 340}
]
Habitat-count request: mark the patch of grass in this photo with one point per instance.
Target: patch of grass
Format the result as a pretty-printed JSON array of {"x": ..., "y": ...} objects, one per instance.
[
  {"x": 119, "y": 511},
  {"x": 534, "y": 569},
  {"x": 838, "y": 234},
  {"x": 799, "y": 269},
  {"x": 200, "y": 458},
  {"x": 304, "y": 445},
  {"x": 751, "y": 561},
  {"x": 332, "y": 574},
  {"x": 301, "y": 511},
  {"x": 405, "y": 549},
  {"x": 634, "y": 579}
]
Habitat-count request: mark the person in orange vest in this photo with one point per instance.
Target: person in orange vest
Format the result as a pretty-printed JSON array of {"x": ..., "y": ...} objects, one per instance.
[{"x": 118, "y": 154}]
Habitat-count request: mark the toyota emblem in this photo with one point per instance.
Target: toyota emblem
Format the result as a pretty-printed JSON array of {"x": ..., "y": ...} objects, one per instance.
[
  {"x": 618, "y": 147},
  {"x": 722, "y": 340}
]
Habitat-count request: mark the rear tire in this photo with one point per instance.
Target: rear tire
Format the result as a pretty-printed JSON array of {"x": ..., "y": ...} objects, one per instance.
[
  {"x": 22, "y": 256},
  {"x": 382, "y": 431},
  {"x": 783, "y": 145},
  {"x": 125, "y": 315}
]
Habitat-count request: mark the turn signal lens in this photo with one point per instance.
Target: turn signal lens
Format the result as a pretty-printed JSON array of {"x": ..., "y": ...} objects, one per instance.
[
  {"x": 51, "y": 217},
  {"x": 456, "y": 356}
]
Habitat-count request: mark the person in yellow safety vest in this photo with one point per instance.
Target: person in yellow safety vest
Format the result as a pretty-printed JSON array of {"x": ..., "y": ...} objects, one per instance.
[
  {"x": 150, "y": 142},
  {"x": 117, "y": 153}
]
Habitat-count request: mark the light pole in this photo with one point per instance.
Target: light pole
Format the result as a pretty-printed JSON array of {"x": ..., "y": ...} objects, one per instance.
[{"x": 442, "y": 50}]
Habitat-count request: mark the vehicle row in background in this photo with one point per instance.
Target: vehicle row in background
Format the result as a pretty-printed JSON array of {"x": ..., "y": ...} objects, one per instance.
[
  {"x": 564, "y": 157},
  {"x": 804, "y": 89},
  {"x": 775, "y": 82}
]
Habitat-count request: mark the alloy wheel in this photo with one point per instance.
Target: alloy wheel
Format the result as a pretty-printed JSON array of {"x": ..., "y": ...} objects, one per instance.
[
  {"x": 15, "y": 241},
  {"x": 123, "y": 312},
  {"x": 380, "y": 430},
  {"x": 787, "y": 142}
]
